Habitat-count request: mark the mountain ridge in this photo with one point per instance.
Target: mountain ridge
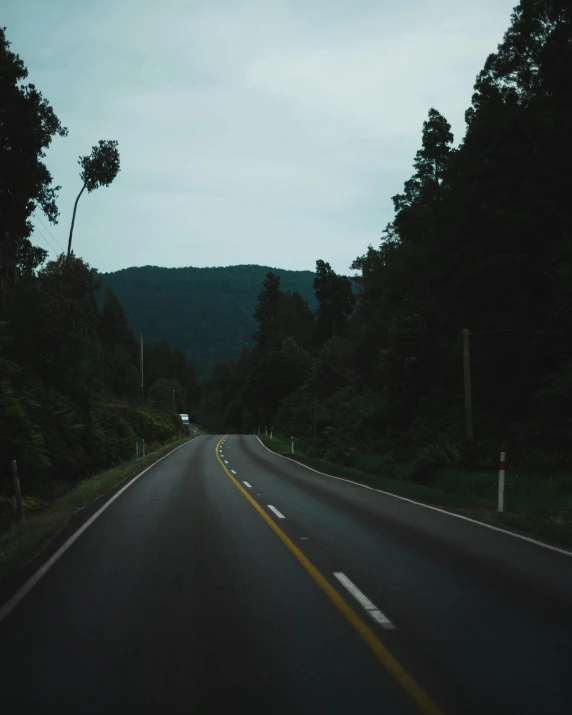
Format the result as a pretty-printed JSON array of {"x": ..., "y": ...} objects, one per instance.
[{"x": 205, "y": 311}]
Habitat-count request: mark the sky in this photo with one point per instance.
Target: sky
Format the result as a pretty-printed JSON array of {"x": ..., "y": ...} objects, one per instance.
[{"x": 270, "y": 132}]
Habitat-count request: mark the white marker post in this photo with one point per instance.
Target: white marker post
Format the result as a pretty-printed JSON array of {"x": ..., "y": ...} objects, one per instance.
[
  {"x": 143, "y": 446},
  {"x": 266, "y": 432},
  {"x": 292, "y": 438},
  {"x": 259, "y": 431},
  {"x": 271, "y": 430},
  {"x": 501, "y": 481}
]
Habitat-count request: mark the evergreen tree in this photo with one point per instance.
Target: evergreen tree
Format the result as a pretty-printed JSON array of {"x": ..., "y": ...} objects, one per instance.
[
  {"x": 121, "y": 347},
  {"x": 293, "y": 319},
  {"x": 336, "y": 301},
  {"x": 114, "y": 328},
  {"x": 266, "y": 309}
]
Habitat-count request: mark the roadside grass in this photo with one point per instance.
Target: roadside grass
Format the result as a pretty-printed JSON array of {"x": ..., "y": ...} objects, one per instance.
[
  {"x": 20, "y": 543},
  {"x": 539, "y": 507},
  {"x": 400, "y": 487}
]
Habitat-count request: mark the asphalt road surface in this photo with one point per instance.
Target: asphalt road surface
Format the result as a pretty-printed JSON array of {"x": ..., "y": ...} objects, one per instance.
[{"x": 227, "y": 579}]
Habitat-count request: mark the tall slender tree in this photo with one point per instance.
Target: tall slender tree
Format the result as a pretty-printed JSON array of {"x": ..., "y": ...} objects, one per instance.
[{"x": 97, "y": 169}]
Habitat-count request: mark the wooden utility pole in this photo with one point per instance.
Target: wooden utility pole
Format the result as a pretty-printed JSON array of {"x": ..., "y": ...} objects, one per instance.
[
  {"x": 467, "y": 379},
  {"x": 141, "y": 359}
]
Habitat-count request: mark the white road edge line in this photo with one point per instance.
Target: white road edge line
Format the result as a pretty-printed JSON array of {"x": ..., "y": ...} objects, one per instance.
[
  {"x": 425, "y": 506},
  {"x": 246, "y": 484},
  {"x": 275, "y": 510},
  {"x": 364, "y": 601},
  {"x": 11, "y": 603}
]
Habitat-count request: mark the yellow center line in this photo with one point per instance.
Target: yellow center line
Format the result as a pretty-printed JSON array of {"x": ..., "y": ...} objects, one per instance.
[{"x": 407, "y": 682}]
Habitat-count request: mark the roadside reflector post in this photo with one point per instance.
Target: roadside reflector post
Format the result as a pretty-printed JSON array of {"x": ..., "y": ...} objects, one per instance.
[
  {"x": 266, "y": 432},
  {"x": 501, "y": 481},
  {"x": 292, "y": 439},
  {"x": 271, "y": 430},
  {"x": 143, "y": 446},
  {"x": 259, "y": 431},
  {"x": 19, "y": 505}
]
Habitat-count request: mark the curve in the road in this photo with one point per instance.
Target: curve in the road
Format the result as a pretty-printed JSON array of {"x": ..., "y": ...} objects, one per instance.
[{"x": 401, "y": 675}]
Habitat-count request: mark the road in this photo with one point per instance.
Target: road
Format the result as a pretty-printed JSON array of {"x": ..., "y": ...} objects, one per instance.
[{"x": 229, "y": 579}]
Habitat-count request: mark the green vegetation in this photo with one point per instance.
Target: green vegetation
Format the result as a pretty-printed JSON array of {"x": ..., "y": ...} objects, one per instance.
[
  {"x": 304, "y": 454},
  {"x": 481, "y": 240},
  {"x": 70, "y": 395},
  {"x": 45, "y": 518},
  {"x": 205, "y": 312},
  {"x": 538, "y": 508},
  {"x": 366, "y": 372}
]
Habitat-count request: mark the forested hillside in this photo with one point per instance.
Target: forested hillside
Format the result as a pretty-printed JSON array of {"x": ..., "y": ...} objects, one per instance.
[
  {"x": 481, "y": 240},
  {"x": 70, "y": 393},
  {"x": 206, "y": 312},
  {"x": 480, "y": 244}
]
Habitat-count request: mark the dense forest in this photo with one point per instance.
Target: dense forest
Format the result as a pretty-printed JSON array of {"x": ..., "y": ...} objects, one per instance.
[
  {"x": 70, "y": 386},
  {"x": 206, "y": 312},
  {"x": 481, "y": 240}
]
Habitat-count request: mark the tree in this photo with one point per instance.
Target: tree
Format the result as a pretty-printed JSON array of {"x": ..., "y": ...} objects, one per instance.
[
  {"x": 266, "y": 308},
  {"x": 167, "y": 394},
  {"x": 68, "y": 341},
  {"x": 332, "y": 368},
  {"x": 65, "y": 369},
  {"x": 159, "y": 362},
  {"x": 512, "y": 212},
  {"x": 418, "y": 209},
  {"x": 217, "y": 392},
  {"x": 278, "y": 374},
  {"x": 27, "y": 126},
  {"x": 336, "y": 300},
  {"x": 293, "y": 319},
  {"x": 120, "y": 346},
  {"x": 114, "y": 328},
  {"x": 97, "y": 169}
]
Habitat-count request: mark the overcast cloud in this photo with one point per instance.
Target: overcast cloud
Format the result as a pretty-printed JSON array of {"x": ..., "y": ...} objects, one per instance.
[{"x": 259, "y": 131}]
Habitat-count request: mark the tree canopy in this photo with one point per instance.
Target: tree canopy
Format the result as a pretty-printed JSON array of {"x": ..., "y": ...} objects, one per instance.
[
  {"x": 70, "y": 399},
  {"x": 481, "y": 239},
  {"x": 27, "y": 126}
]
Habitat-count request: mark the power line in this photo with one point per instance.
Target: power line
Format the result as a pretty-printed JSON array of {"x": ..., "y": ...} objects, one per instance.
[
  {"x": 504, "y": 330},
  {"x": 46, "y": 240},
  {"x": 48, "y": 230}
]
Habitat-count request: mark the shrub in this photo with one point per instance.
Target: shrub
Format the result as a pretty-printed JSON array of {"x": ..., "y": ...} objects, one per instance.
[{"x": 111, "y": 437}]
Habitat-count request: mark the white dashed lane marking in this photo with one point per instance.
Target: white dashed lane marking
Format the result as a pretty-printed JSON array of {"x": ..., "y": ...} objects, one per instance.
[
  {"x": 364, "y": 601},
  {"x": 275, "y": 510}
]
